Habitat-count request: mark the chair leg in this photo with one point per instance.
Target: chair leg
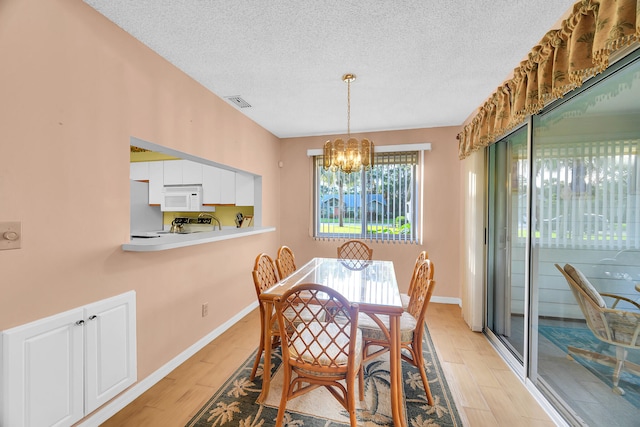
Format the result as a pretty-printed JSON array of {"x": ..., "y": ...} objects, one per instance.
[
  {"x": 361, "y": 382},
  {"x": 286, "y": 383},
  {"x": 256, "y": 363},
  {"x": 260, "y": 350},
  {"x": 621, "y": 355},
  {"x": 418, "y": 359},
  {"x": 351, "y": 401}
]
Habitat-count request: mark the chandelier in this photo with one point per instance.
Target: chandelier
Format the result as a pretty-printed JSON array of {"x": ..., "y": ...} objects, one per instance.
[{"x": 352, "y": 155}]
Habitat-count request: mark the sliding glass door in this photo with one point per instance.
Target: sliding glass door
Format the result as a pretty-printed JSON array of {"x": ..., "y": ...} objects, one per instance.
[
  {"x": 508, "y": 177},
  {"x": 564, "y": 194}
]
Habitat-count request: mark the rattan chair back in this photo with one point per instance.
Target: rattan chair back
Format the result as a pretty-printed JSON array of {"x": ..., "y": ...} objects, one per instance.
[
  {"x": 355, "y": 250},
  {"x": 285, "y": 262},
  {"x": 322, "y": 344}
]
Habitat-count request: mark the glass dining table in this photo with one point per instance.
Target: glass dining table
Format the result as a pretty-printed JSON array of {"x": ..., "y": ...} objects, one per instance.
[{"x": 370, "y": 284}]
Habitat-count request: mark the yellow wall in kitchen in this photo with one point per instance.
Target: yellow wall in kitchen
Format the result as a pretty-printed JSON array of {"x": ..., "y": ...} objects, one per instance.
[{"x": 226, "y": 214}]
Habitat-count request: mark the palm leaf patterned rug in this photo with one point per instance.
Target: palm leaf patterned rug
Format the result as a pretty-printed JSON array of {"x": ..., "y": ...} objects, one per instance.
[{"x": 234, "y": 404}]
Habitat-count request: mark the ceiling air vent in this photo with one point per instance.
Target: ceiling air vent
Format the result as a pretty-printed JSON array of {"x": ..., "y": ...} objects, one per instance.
[{"x": 238, "y": 101}]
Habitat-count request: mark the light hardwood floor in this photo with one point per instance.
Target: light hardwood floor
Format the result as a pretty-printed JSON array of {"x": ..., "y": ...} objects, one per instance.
[{"x": 486, "y": 391}]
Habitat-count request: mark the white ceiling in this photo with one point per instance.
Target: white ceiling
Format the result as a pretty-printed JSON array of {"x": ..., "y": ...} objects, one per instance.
[{"x": 419, "y": 63}]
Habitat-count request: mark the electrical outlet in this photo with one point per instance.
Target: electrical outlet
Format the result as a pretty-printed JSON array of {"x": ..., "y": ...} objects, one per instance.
[{"x": 205, "y": 309}]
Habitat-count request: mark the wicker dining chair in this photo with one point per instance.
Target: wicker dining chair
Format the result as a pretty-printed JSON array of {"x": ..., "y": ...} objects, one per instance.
[
  {"x": 325, "y": 350},
  {"x": 405, "y": 297},
  {"x": 264, "y": 277},
  {"x": 611, "y": 325},
  {"x": 356, "y": 250},
  {"x": 285, "y": 262},
  {"x": 411, "y": 326}
]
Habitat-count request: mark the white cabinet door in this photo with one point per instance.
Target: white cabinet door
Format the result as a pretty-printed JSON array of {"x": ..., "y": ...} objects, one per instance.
[
  {"x": 42, "y": 370},
  {"x": 139, "y": 171},
  {"x": 57, "y": 370},
  {"x": 218, "y": 186},
  {"x": 244, "y": 189},
  {"x": 172, "y": 172},
  {"x": 182, "y": 172},
  {"x": 110, "y": 361},
  {"x": 191, "y": 172},
  {"x": 227, "y": 187},
  {"x": 210, "y": 185},
  {"x": 156, "y": 182}
]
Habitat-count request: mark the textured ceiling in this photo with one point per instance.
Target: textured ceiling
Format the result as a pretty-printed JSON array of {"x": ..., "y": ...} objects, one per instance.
[{"x": 419, "y": 63}]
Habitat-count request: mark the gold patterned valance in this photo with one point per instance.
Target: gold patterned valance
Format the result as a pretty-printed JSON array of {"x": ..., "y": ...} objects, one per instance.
[{"x": 563, "y": 59}]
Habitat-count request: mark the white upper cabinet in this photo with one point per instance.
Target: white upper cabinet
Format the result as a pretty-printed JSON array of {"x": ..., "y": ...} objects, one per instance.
[
  {"x": 244, "y": 189},
  {"x": 182, "y": 172},
  {"x": 156, "y": 182},
  {"x": 210, "y": 188},
  {"x": 139, "y": 171},
  {"x": 191, "y": 172},
  {"x": 172, "y": 172},
  {"x": 228, "y": 187},
  {"x": 218, "y": 186}
]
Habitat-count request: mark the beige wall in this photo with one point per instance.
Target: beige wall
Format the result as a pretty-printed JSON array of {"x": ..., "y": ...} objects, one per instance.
[
  {"x": 441, "y": 238},
  {"x": 73, "y": 89}
]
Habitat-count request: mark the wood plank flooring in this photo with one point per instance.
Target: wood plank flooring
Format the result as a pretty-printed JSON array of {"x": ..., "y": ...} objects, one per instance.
[{"x": 485, "y": 390}]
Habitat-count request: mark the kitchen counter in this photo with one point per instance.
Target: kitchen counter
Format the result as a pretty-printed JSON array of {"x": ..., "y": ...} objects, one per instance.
[{"x": 172, "y": 241}]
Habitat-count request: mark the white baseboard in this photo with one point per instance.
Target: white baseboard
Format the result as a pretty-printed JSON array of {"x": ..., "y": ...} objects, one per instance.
[
  {"x": 115, "y": 405},
  {"x": 447, "y": 300}
]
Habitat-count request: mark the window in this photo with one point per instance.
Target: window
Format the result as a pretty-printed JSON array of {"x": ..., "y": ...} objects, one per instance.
[
  {"x": 381, "y": 204},
  {"x": 587, "y": 192}
]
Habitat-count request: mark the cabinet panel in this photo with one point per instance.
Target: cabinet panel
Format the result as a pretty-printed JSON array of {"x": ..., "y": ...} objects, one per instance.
[
  {"x": 191, "y": 172},
  {"x": 58, "y": 369},
  {"x": 110, "y": 349},
  {"x": 42, "y": 372},
  {"x": 218, "y": 186},
  {"x": 244, "y": 189},
  {"x": 210, "y": 185},
  {"x": 139, "y": 171},
  {"x": 172, "y": 172},
  {"x": 227, "y": 187},
  {"x": 182, "y": 172},
  {"x": 156, "y": 182}
]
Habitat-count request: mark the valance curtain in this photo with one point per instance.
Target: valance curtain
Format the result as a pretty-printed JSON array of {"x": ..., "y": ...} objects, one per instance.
[{"x": 563, "y": 59}]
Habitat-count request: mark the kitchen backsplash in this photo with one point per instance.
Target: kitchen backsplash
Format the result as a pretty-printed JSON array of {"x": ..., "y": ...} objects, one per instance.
[{"x": 226, "y": 215}]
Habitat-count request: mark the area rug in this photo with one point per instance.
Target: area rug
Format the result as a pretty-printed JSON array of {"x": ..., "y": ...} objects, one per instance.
[
  {"x": 583, "y": 338},
  {"x": 234, "y": 404}
]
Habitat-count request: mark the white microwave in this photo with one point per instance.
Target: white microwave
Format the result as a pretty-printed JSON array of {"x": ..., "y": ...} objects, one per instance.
[{"x": 181, "y": 198}]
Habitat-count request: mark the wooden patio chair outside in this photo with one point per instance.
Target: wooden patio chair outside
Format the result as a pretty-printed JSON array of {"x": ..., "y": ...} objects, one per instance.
[
  {"x": 610, "y": 325},
  {"x": 411, "y": 326},
  {"x": 322, "y": 351},
  {"x": 285, "y": 262}
]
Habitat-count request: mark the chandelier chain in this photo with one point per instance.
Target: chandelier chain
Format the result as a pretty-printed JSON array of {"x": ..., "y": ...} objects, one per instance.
[{"x": 348, "y": 107}]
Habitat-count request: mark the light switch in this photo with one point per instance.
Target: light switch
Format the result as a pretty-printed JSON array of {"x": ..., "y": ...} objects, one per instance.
[{"x": 10, "y": 235}]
